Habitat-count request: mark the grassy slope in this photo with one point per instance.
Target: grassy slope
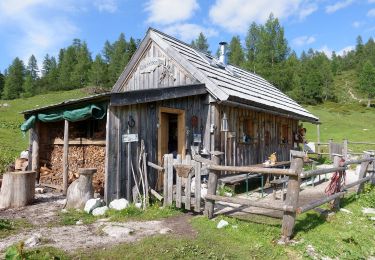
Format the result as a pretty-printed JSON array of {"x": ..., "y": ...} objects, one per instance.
[{"x": 12, "y": 141}]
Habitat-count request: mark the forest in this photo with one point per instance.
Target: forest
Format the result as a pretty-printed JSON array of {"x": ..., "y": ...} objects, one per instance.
[{"x": 307, "y": 78}]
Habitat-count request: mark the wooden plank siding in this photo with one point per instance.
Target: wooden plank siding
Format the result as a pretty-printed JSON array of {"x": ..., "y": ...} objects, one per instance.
[{"x": 138, "y": 81}]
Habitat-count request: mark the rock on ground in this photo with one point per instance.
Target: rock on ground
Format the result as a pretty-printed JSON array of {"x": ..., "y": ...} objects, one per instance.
[
  {"x": 100, "y": 211},
  {"x": 119, "y": 204},
  {"x": 92, "y": 204}
]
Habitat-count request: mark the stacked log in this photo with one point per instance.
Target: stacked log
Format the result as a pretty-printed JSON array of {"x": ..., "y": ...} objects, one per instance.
[{"x": 80, "y": 156}]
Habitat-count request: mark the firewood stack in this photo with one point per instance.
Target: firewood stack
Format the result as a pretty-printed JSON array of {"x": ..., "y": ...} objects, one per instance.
[{"x": 80, "y": 156}]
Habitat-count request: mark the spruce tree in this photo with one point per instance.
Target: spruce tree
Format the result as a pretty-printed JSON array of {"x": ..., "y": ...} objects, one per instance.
[
  {"x": 252, "y": 45},
  {"x": 236, "y": 53},
  {"x": 367, "y": 80},
  {"x": 2, "y": 82},
  {"x": 119, "y": 58},
  {"x": 66, "y": 70},
  {"x": 98, "y": 72},
  {"x": 80, "y": 75},
  {"x": 201, "y": 43},
  {"x": 32, "y": 68},
  {"x": 14, "y": 80}
]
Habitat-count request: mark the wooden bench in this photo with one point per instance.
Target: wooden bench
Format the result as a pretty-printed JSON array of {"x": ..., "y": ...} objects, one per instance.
[{"x": 279, "y": 183}]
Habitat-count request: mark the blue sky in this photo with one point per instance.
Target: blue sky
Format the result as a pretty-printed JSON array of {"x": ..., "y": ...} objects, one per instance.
[{"x": 44, "y": 26}]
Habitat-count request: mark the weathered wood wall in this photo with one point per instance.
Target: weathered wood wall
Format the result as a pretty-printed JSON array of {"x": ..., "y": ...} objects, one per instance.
[
  {"x": 165, "y": 75},
  {"x": 259, "y": 149},
  {"x": 146, "y": 126}
]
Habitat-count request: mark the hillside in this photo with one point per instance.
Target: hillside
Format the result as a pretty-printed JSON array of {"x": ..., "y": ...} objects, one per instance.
[{"x": 12, "y": 140}]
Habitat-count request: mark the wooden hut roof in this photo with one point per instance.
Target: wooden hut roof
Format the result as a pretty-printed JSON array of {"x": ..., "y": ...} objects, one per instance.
[{"x": 227, "y": 84}]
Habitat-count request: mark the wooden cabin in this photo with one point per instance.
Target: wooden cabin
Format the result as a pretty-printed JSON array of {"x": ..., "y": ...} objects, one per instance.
[
  {"x": 183, "y": 101},
  {"x": 179, "y": 100}
]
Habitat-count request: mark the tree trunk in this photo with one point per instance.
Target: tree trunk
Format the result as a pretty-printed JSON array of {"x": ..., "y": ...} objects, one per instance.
[{"x": 18, "y": 189}]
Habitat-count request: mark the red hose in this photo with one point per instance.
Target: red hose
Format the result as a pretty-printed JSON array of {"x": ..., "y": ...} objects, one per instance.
[{"x": 337, "y": 180}]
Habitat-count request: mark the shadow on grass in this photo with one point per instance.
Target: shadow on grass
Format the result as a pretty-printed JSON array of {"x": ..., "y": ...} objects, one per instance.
[{"x": 308, "y": 221}]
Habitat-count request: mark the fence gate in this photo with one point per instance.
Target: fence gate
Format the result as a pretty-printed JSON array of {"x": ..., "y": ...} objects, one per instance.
[{"x": 178, "y": 176}]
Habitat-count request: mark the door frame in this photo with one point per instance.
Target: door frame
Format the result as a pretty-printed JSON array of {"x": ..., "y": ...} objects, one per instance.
[{"x": 181, "y": 125}]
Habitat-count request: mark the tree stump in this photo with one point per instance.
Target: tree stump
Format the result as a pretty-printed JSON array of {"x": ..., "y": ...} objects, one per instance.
[
  {"x": 81, "y": 190},
  {"x": 17, "y": 189}
]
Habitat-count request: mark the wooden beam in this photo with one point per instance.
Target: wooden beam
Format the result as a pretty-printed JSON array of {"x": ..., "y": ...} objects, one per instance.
[
  {"x": 319, "y": 202},
  {"x": 292, "y": 196},
  {"x": 250, "y": 169},
  {"x": 246, "y": 202},
  {"x": 156, "y": 94},
  {"x": 359, "y": 161},
  {"x": 155, "y": 166},
  {"x": 80, "y": 141},
  {"x": 311, "y": 173},
  {"x": 65, "y": 157}
]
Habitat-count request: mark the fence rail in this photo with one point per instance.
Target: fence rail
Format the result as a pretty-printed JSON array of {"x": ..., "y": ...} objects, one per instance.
[{"x": 340, "y": 147}]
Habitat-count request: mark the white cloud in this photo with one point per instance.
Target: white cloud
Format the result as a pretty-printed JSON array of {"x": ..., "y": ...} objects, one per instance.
[
  {"x": 371, "y": 13},
  {"x": 337, "y": 6},
  {"x": 109, "y": 6},
  {"x": 303, "y": 40},
  {"x": 371, "y": 1},
  {"x": 188, "y": 32},
  {"x": 236, "y": 15},
  {"x": 357, "y": 24},
  {"x": 345, "y": 50},
  {"x": 35, "y": 30},
  {"x": 342, "y": 52},
  {"x": 170, "y": 11}
]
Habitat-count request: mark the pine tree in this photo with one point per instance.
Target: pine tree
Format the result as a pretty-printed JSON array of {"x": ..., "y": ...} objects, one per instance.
[
  {"x": 107, "y": 52},
  {"x": 236, "y": 53},
  {"x": 46, "y": 65},
  {"x": 201, "y": 43},
  {"x": 367, "y": 80},
  {"x": 119, "y": 58},
  {"x": 14, "y": 80},
  {"x": 98, "y": 72},
  {"x": 252, "y": 45},
  {"x": 66, "y": 70},
  {"x": 28, "y": 86},
  {"x": 80, "y": 75},
  {"x": 32, "y": 68},
  {"x": 2, "y": 82}
]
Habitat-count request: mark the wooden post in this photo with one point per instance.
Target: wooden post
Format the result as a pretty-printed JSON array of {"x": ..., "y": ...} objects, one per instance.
[
  {"x": 330, "y": 148},
  {"x": 345, "y": 149},
  {"x": 336, "y": 201},
  {"x": 170, "y": 179},
  {"x": 318, "y": 135},
  {"x": 362, "y": 174},
  {"x": 292, "y": 195},
  {"x": 197, "y": 171},
  {"x": 165, "y": 180},
  {"x": 65, "y": 157},
  {"x": 128, "y": 167},
  {"x": 211, "y": 189},
  {"x": 188, "y": 186},
  {"x": 178, "y": 183},
  {"x": 35, "y": 150}
]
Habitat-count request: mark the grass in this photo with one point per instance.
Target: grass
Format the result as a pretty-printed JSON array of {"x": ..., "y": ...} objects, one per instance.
[
  {"x": 10, "y": 227},
  {"x": 341, "y": 236},
  {"x": 12, "y": 140},
  {"x": 343, "y": 121}
]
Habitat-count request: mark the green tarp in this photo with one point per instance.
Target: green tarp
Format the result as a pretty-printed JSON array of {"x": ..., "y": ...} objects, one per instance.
[{"x": 96, "y": 111}]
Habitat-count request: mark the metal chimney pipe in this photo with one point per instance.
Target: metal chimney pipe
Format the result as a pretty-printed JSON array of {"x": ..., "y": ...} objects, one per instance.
[{"x": 223, "y": 53}]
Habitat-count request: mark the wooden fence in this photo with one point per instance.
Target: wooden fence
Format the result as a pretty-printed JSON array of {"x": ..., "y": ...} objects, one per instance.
[
  {"x": 290, "y": 206},
  {"x": 343, "y": 147}
]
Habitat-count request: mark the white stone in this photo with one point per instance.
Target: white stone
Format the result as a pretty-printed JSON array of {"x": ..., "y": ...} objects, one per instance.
[
  {"x": 92, "y": 204},
  {"x": 203, "y": 193},
  {"x": 64, "y": 210},
  {"x": 33, "y": 240},
  {"x": 222, "y": 223},
  {"x": 119, "y": 204},
  {"x": 79, "y": 222},
  {"x": 372, "y": 218},
  {"x": 100, "y": 211},
  {"x": 138, "y": 205},
  {"x": 368, "y": 210},
  {"x": 165, "y": 231},
  {"x": 228, "y": 194},
  {"x": 40, "y": 190},
  {"x": 346, "y": 211}
]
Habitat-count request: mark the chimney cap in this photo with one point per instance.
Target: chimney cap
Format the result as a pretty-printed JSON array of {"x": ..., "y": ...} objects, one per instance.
[{"x": 223, "y": 43}]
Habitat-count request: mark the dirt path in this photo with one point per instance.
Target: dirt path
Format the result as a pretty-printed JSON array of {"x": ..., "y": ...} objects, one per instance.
[{"x": 44, "y": 213}]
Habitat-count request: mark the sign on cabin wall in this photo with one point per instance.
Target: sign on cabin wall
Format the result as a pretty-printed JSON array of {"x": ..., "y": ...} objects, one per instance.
[
  {"x": 129, "y": 138},
  {"x": 149, "y": 64}
]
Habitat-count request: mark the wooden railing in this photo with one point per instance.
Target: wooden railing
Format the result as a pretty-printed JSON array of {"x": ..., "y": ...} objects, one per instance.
[
  {"x": 290, "y": 206},
  {"x": 343, "y": 147}
]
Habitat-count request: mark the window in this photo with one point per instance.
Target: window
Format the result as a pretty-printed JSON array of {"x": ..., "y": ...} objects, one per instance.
[
  {"x": 247, "y": 130},
  {"x": 284, "y": 134}
]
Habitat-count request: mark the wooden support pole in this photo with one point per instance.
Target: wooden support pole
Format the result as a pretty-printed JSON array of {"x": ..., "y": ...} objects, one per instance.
[
  {"x": 292, "y": 195},
  {"x": 318, "y": 135},
  {"x": 35, "y": 150},
  {"x": 211, "y": 189},
  {"x": 330, "y": 144},
  {"x": 345, "y": 149},
  {"x": 336, "y": 201},
  {"x": 165, "y": 180},
  {"x": 362, "y": 173},
  {"x": 65, "y": 157}
]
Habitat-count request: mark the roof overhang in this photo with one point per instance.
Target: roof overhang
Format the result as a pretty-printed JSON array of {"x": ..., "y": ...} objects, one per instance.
[
  {"x": 238, "y": 102},
  {"x": 71, "y": 103},
  {"x": 157, "y": 94}
]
